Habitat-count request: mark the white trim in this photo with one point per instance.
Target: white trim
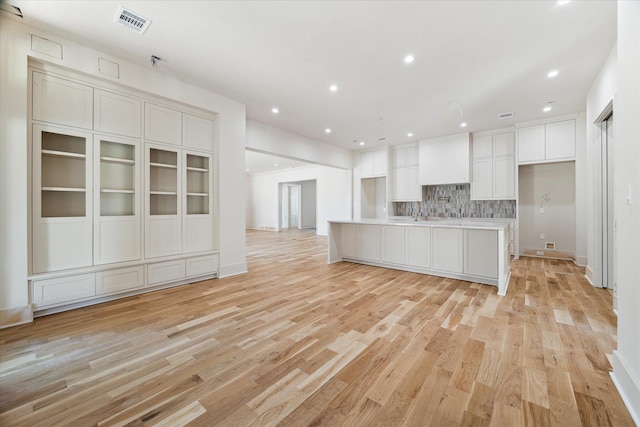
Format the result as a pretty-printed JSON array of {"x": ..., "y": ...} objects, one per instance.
[{"x": 627, "y": 385}]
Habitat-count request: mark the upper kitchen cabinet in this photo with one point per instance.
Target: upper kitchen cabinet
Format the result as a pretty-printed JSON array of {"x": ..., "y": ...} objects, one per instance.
[
  {"x": 493, "y": 166},
  {"x": 118, "y": 114},
  {"x": 404, "y": 175},
  {"x": 547, "y": 142},
  {"x": 61, "y": 101},
  {"x": 373, "y": 163},
  {"x": 445, "y": 160},
  {"x": 162, "y": 124}
]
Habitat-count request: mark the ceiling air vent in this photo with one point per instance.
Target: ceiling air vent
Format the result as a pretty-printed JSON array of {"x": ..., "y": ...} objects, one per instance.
[
  {"x": 505, "y": 115},
  {"x": 131, "y": 20}
]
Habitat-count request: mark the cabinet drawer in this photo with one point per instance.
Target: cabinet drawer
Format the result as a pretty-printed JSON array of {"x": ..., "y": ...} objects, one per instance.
[
  {"x": 120, "y": 280},
  {"x": 203, "y": 265},
  {"x": 162, "y": 272},
  {"x": 63, "y": 289}
]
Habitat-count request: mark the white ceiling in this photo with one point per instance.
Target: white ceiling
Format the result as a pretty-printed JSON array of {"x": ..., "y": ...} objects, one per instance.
[{"x": 473, "y": 59}]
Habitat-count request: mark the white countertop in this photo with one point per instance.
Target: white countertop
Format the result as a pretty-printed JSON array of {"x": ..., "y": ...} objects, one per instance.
[{"x": 487, "y": 224}]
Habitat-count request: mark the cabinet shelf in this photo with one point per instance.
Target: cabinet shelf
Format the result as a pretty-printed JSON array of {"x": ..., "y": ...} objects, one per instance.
[
  {"x": 164, "y": 193},
  {"x": 197, "y": 169},
  {"x": 63, "y": 154},
  {"x": 114, "y": 190},
  {"x": 198, "y": 194},
  {"x": 117, "y": 160},
  {"x": 65, "y": 189},
  {"x": 163, "y": 165}
]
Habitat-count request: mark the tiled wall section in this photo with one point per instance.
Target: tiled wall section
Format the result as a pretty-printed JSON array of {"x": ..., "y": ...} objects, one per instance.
[{"x": 459, "y": 205}]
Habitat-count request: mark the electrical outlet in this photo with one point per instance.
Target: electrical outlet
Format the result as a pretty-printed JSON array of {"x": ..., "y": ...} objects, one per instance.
[
  {"x": 541, "y": 236},
  {"x": 541, "y": 253},
  {"x": 541, "y": 210}
]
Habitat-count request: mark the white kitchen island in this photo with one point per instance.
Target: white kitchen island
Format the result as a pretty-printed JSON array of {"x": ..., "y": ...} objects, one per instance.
[{"x": 475, "y": 251}]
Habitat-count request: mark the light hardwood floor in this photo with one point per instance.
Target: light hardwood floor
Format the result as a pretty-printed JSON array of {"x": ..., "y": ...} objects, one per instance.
[{"x": 297, "y": 342}]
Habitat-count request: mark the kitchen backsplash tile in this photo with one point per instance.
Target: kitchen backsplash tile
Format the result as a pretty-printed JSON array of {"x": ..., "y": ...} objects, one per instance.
[{"x": 454, "y": 201}]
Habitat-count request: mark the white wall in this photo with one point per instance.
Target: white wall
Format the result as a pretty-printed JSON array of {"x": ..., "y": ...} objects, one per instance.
[
  {"x": 557, "y": 180},
  {"x": 309, "y": 204},
  {"x": 600, "y": 95},
  {"x": 14, "y": 44},
  {"x": 626, "y": 359},
  {"x": 581, "y": 199},
  {"x": 272, "y": 140},
  {"x": 333, "y": 195}
]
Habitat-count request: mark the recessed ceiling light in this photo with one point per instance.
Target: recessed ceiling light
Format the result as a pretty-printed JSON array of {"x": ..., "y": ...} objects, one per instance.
[
  {"x": 410, "y": 134},
  {"x": 327, "y": 130},
  {"x": 463, "y": 125},
  {"x": 409, "y": 59},
  {"x": 275, "y": 164},
  {"x": 247, "y": 169},
  {"x": 562, "y": 2},
  {"x": 333, "y": 88},
  {"x": 547, "y": 108},
  {"x": 275, "y": 110},
  {"x": 553, "y": 73},
  {"x": 361, "y": 142}
]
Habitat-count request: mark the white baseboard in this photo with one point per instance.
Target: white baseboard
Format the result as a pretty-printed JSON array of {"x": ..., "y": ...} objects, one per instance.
[
  {"x": 628, "y": 386},
  {"x": 233, "y": 269},
  {"x": 581, "y": 261}
]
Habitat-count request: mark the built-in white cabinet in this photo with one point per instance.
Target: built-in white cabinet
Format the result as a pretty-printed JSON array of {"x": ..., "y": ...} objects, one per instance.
[
  {"x": 445, "y": 160},
  {"x": 350, "y": 238},
  {"x": 417, "y": 251},
  {"x": 117, "y": 200},
  {"x": 198, "y": 202},
  {"x": 118, "y": 114},
  {"x": 493, "y": 166},
  {"x": 405, "y": 180},
  {"x": 392, "y": 244},
  {"x": 448, "y": 249},
  {"x": 162, "y": 124},
  {"x": 373, "y": 163},
  {"x": 62, "y": 198},
  {"x": 122, "y": 191},
  {"x": 369, "y": 242},
  {"x": 61, "y": 101},
  {"x": 481, "y": 253},
  {"x": 197, "y": 132},
  {"x": 555, "y": 141},
  {"x": 163, "y": 216}
]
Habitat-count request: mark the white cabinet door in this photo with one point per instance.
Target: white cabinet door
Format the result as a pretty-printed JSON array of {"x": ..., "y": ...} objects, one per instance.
[
  {"x": 417, "y": 246},
  {"x": 392, "y": 244},
  {"x": 120, "y": 280},
  {"x": 482, "y": 182},
  {"x": 531, "y": 144},
  {"x": 370, "y": 242},
  {"x": 366, "y": 164},
  {"x": 117, "y": 224},
  {"x": 62, "y": 101},
  {"x": 197, "y": 132},
  {"x": 63, "y": 290},
  {"x": 380, "y": 160},
  {"x": 162, "y": 124},
  {"x": 115, "y": 113},
  {"x": 482, "y": 146},
  {"x": 561, "y": 140},
  {"x": 198, "y": 202},
  {"x": 448, "y": 249},
  {"x": 349, "y": 236},
  {"x": 414, "y": 189},
  {"x": 399, "y": 159},
  {"x": 504, "y": 178},
  {"x": 168, "y": 271},
  {"x": 504, "y": 144},
  {"x": 399, "y": 182},
  {"x": 62, "y": 199},
  {"x": 481, "y": 253},
  {"x": 411, "y": 155},
  {"x": 202, "y": 266}
]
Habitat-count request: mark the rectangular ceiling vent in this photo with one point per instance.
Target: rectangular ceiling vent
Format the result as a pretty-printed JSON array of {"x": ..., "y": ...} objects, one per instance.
[
  {"x": 131, "y": 20},
  {"x": 505, "y": 115}
]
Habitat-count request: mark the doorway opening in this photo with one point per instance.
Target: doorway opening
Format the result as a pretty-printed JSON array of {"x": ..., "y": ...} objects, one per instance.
[
  {"x": 604, "y": 221},
  {"x": 297, "y": 205}
]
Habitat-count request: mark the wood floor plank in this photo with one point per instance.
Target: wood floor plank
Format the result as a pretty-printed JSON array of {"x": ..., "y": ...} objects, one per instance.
[{"x": 297, "y": 341}]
